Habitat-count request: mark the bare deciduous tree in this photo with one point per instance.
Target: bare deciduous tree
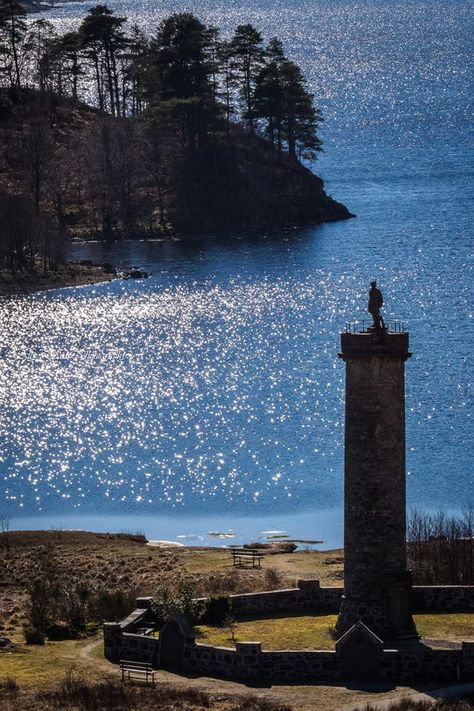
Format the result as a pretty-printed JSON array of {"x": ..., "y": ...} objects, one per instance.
[{"x": 441, "y": 547}]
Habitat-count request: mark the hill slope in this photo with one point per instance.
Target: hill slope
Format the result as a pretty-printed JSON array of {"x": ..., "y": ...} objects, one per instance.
[{"x": 67, "y": 170}]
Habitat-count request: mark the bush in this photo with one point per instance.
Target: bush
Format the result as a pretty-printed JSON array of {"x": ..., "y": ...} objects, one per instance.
[
  {"x": 9, "y": 685},
  {"x": 80, "y": 694},
  {"x": 273, "y": 578},
  {"x": 33, "y": 636},
  {"x": 217, "y": 609},
  {"x": 463, "y": 703},
  {"x": 169, "y": 601},
  {"x": 113, "y": 606},
  {"x": 58, "y": 632}
]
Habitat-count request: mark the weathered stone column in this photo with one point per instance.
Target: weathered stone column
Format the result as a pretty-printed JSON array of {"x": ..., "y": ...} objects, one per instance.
[{"x": 377, "y": 584}]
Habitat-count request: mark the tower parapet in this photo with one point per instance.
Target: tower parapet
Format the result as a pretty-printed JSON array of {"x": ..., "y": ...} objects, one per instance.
[{"x": 377, "y": 584}]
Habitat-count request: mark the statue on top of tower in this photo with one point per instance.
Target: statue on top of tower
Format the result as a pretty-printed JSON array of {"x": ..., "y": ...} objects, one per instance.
[{"x": 375, "y": 304}]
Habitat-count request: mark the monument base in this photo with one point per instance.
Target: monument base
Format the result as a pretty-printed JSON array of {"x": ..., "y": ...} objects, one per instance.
[{"x": 388, "y": 615}]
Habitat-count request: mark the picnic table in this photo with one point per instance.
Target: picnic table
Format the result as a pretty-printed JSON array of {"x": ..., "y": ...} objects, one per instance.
[
  {"x": 136, "y": 670},
  {"x": 241, "y": 556}
]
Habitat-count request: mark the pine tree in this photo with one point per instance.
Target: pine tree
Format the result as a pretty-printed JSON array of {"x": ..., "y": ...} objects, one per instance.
[
  {"x": 13, "y": 29},
  {"x": 248, "y": 54},
  {"x": 300, "y": 118},
  {"x": 285, "y": 106},
  {"x": 268, "y": 97},
  {"x": 178, "y": 73},
  {"x": 102, "y": 38}
]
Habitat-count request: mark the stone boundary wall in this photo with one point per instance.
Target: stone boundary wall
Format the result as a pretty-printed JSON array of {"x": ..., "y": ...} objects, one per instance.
[
  {"x": 446, "y": 664},
  {"x": 440, "y": 598},
  {"x": 120, "y": 645},
  {"x": 122, "y": 640},
  {"x": 309, "y": 596},
  {"x": 248, "y": 661}
]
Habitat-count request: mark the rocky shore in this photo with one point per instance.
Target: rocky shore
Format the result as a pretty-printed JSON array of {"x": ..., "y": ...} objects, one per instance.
[{"x": 70, "y": 274}]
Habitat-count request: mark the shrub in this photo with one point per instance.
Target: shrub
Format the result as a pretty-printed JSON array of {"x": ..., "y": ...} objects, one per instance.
[
  {"x": 108, "y": 606},
  {"x": 272, "y": 578},
  {"x": 41, "y": 605},
  {"x": 9, "y": 685},
  {"x": 217, "y": 609},
  {"x": 169, "y": 601},
  {"x": 33, "y": 636},
  {"x": 464, "y": 703},
  {"x": 73, "y": 607},
  {"x": 58, "y": 632}
]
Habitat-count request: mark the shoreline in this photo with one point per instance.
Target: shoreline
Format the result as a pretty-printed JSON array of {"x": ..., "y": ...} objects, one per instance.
[
  {"x": 70, "y": 274},
  {"x": 324, "y": 526}
]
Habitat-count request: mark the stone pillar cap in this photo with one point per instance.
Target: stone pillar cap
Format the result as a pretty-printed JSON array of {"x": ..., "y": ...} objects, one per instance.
[{"x": 368, "y": 344}]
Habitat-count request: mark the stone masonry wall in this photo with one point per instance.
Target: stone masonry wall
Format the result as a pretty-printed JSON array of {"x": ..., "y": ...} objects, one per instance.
[
  {"x": 438, "y": 598},
  {"x": 308, "y": 596},
  {"x": 248, "y": 661},
  {"x": 120, "y": 645},
  {"x": 404, "y": 664}
]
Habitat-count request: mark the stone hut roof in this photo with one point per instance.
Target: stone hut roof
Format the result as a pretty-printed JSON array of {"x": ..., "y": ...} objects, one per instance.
[
  {"x": 359, "y": 628},
  {"x": 185, "y": 628}
]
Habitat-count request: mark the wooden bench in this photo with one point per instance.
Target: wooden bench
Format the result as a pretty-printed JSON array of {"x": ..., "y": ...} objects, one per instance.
[
  {"x": 244, "y": 555},
  {"x": 136, "y": 670}
]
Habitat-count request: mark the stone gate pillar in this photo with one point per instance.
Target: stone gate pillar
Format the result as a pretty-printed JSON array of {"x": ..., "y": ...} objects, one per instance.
[{"x": 377, "y": 584}]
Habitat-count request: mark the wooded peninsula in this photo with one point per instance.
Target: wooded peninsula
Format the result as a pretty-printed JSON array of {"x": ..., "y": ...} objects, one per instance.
[{"x": 107, "y": 133}]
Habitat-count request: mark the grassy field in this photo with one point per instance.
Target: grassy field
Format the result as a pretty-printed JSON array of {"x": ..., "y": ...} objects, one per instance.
[
  {"x": 40, "y": 667},
  {"x": 41, "y": 673},
  {"x": 298, "y": 632},
  {"x": 457, "y": 627},
  {"x": 125, "y": 562},
  {"x": 316, "y": 631}
]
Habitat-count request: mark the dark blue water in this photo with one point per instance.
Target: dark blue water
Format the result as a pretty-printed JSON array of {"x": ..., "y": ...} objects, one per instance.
[{"x": 214, "y": 388}]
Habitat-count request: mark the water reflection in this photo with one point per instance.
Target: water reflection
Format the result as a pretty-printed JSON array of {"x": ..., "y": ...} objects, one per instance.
[{"x": 215, "y": 384}]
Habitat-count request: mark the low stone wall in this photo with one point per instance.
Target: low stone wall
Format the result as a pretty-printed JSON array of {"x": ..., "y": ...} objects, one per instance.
[
  {"x": 433, "y": 664},
  {"x": 140, "y": 617},
  {"x": 248, "y": 661},
  {"x": 300, "y": 665},
  {"x": 120, "y": 645},
  {"x": 441, "y": 598},
  {"x": 446, "y": 664},
  {"x": 122, "y": 642},
  {"x": 309, "y": 596}
]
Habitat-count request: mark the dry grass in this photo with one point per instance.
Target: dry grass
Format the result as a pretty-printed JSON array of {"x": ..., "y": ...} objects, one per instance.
[
  {"x": 325, "y": 566},
  {"x": 407, "y": 704},
  {"x": 124, "y": 562},
  {"x": 454, "y": 627},
  {"x": 38, "y": 667},
  {"x": 297, "y": 632},
  {"x": 315, "y": 631},
  {"x": 74, "y": 692}
]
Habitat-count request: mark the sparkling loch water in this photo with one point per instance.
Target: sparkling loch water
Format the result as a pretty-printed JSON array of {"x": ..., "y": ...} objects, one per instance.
[{"x": 210, "y": 396}]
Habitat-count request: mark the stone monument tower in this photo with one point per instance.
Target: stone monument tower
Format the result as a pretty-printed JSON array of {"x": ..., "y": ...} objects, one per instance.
[{"x": 377, "y": 584}]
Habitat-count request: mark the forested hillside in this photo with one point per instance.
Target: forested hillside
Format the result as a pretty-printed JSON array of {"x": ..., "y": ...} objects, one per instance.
[{"x": 107, "y": 133}]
